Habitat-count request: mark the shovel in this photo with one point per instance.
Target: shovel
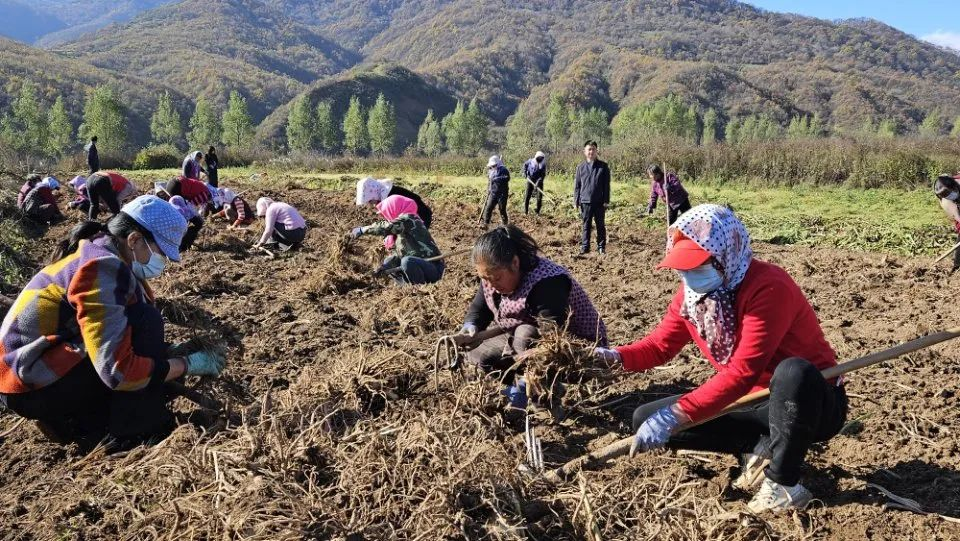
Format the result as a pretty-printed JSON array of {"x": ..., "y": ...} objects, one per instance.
[{"x": 622, "y": 447}]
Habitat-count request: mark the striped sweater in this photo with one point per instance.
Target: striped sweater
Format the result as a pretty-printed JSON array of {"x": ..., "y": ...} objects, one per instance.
[{"x": 75, "y": 310}]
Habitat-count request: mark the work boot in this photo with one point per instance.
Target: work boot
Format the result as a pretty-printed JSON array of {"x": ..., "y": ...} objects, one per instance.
[
  {"x": 775, "y": 497},
  {"x": 751, "y": 471}
]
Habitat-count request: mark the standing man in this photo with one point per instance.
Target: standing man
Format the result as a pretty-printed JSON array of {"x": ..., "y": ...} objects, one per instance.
[
  {"x": 498, "y": 192},
  {"x": 93, "y": 157},
  {"x": 591, "y": 194},
  {"x": 535, "y": 170}
]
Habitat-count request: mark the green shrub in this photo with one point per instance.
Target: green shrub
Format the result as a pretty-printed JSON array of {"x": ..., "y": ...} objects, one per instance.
[{"x": 158, "y": 157}]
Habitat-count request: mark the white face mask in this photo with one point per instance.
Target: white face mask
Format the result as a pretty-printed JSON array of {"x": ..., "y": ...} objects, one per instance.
[
  {"x": 152, "y": 268},
  {"x": 703, "y": 279}
]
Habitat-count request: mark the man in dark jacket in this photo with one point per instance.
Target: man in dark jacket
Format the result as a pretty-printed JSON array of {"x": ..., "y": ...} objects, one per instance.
[
  {"x": 535, "y": 170},
  {"x": 93, "y": 157},
  {"x": 498, "y": 191},
  {"x": 591, "y": 194}
]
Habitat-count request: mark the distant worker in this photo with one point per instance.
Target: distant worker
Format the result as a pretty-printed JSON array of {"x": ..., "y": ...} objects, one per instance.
[
  {"x": 39, "y": 202},
  {"x": 498, "y": 191},
  {"x": 371, "y": 191},
  {"x": 82, "y": 201},
  {"x": 194, "y": 191},
  {"x": 947, "y": 190},
  {"x": 591, "y": 195},
  {"x": 110, "y": 186},
  {"x": 669, "y": 188},
  {"x": 84, "y": 343},
  {"x": 283, "y": 228},
  {"x": 236, "y": 210},
  {"x": 194, "y": 221},
  {"x": 191, "y": 165},
  {"x": 213, "y": 166},
  {"x": 535, "y": 171},
  {"x": 413, "y": 244},
  {"x": 93, "y": 156}
]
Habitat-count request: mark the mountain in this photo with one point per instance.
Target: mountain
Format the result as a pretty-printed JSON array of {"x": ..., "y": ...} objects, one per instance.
[
  {"x": 211, "y": 47},
  {"x": 55, "y": 75},
  {"x": 612, "y": 53},
  {"x": 48, "y": 22},
  {"x": 409, "y": 93}
]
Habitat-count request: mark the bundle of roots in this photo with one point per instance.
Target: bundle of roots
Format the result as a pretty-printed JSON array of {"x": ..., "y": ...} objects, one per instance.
[
  {"x": 344, "y": 270},
  {"x": 561, "y": 358}
]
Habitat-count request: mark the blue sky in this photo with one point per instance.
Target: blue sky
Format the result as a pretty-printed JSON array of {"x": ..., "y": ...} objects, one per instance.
[{"x": 937, "y": 21}]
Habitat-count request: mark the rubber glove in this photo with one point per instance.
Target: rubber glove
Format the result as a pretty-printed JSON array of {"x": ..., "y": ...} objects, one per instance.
[
  {"x": 608, "y": 355},
  {"x": 468, "y": 329},
  {"x": 517, "y": 394},
  {"x": 356, "y": 232},
  {"x": 204, "y": 363},
  {"x": 655, "y": 431}
]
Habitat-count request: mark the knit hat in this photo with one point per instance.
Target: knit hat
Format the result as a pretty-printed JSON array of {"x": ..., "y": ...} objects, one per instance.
[
  {"x": 162, "y": 220},
  {"x": 262, "y": 205}
]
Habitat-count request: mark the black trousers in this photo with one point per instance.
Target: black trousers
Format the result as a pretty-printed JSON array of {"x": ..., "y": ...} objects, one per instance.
[
  {"x": 498, "y": 199},
  {"x": 593, "y": 213},
  {"x": 213, "y": 177},
  {"x": 673, "y": 214},
  {"x": 288, "y": 239},
  {"x": 99, "y": 187},
  {"x": 802, "y": 409},
  {"x": 495, "y": 356},
  {"x": 80, "y": 408},
  {"x": 530, "y": 193},
  {"x": 193, "y": 229}
]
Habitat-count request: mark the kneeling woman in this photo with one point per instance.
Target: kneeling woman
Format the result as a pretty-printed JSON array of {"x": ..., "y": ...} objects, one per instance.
[
  {"x": 83, "y": 347},
  {"x": 519, "y": 291},
  {"x": 411, "y": 242},
  {"x": 283, "y": 225},
  {"x": 757, "y": 329}
]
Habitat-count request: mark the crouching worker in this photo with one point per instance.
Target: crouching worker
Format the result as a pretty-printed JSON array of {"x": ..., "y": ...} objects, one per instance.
[
  {"x": 371, "y": 191},
  {"x": 194, "y": 221},
  {"x": 236, "y": 210},
  {"x": 37, "y": 200},
  {"x": 111, "y": 187},
  {"x": 81, "y": 202},
  {"x": 519, "y": 291},
  {"x": 757, "y": 329},
  {"x": 83, "y": 347},
  {"x": 284, "y": 227},
  {"x": 410, "y": 241}
]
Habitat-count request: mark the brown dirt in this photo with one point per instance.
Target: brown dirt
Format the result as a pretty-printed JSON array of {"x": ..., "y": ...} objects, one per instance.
[{"x": 335, "y": 429}]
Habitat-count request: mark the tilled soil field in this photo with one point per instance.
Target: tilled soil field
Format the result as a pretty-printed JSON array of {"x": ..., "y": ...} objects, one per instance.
[{"x": 336, "y": 425}]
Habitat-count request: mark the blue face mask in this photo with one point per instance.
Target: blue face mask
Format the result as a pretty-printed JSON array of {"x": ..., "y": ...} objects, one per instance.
[
  {"x": 703, "y": 279},
  {"x": 152, "y": 268}
]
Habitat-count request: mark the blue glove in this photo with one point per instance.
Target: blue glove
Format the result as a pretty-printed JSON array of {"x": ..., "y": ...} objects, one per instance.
[
  {"x": 468, "y": 329},
  {"x": 356, "y": 232},
  {"x": 204, "y": 363},
  {"x": 655, "y": 431},
  {"x": 517, "y": 394},
  {"x": 608, "y": 355}
]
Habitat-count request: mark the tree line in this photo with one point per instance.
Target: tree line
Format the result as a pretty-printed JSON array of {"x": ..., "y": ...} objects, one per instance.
[{"x": 33, "y": 127}]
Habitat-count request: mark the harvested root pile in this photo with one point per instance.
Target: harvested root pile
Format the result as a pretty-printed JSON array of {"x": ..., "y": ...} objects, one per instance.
[
  {"x": 560, "y": 358},
  {"x": 344, "y": 269}
]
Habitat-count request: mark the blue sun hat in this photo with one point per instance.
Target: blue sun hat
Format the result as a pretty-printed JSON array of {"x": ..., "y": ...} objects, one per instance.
[{"x": 162, "y": 220}]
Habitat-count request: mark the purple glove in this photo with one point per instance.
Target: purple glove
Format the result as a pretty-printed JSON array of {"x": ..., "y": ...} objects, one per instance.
[
  {"x": 356, "y": 232},
  {"x": 655, "y": 431}
]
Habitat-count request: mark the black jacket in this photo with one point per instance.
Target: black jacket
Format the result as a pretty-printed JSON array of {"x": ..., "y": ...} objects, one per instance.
[
  {"x": 591, "y": 184},
  {"x": 423, "y": 211},
  {"x": 93, "y": 157}
]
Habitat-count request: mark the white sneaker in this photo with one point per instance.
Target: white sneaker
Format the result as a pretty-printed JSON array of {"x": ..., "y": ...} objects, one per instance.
[
  {"x": 776, "y": 497},
  {"x": 751, "y": 471}
]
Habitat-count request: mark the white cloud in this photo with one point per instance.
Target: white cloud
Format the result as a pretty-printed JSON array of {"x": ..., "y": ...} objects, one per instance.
[{"x": 944, "y": 39}]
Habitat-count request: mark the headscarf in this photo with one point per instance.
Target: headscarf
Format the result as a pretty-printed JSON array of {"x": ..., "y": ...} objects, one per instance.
[
  {"x": 51, "y": 182},
  {"x": 392, "y": 208},
  {"x": 78, "y": 182},
  {"x": 228, "y": 196},
  {"x": 718, "y": 231},
  {"x": 262, "y": 205},
  {"x": 197, "y": 154},
  {"x": 186, "y": 209},
  {"x": 371, "y": 189}
]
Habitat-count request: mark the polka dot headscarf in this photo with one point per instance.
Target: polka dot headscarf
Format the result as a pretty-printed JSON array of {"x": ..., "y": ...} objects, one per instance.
[{"x": 718, "y": 231}]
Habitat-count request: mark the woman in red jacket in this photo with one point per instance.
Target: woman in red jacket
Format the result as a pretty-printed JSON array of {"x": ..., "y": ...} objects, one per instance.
[{"x": 752, "y": 322}]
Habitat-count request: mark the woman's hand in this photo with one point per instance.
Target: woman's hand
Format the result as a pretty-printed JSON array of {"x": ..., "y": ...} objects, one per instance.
[{"x": 609, "y": 356}]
